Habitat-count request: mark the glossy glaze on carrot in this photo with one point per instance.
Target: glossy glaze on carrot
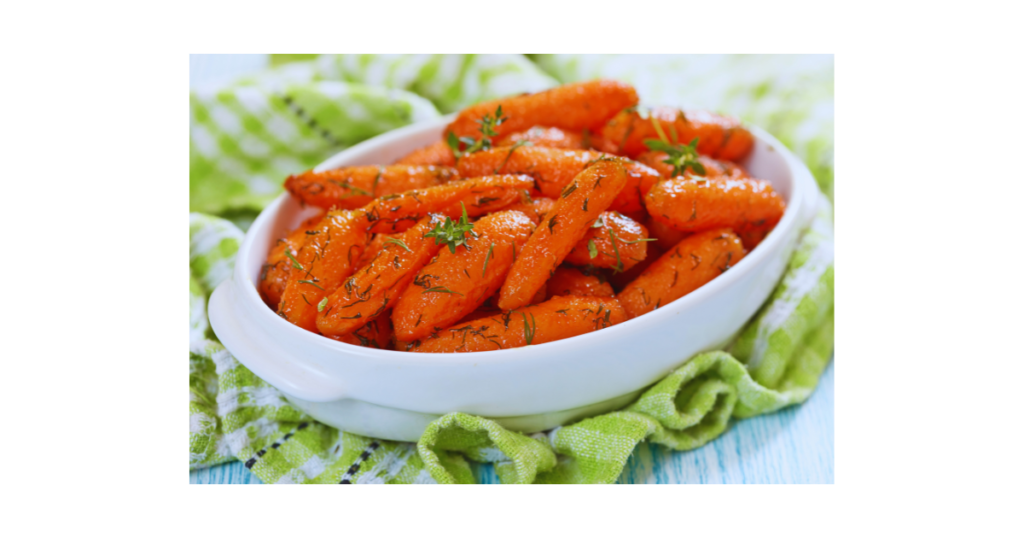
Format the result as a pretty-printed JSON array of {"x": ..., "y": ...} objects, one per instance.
[
  {"x": 569, "y": 280},
  {"x": 275, "y": 271},
  {"x": 614, "y": 241},
  {"x": 719, "y": 136},
  {"x": 691, "y": 205},
  {"x": 356, "y": 186}
]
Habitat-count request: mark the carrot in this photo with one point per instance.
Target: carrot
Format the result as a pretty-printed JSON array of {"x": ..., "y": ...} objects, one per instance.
[
  {"x": 576, "y": 209},
  {"x": 718, "y": 136},
  {"x": 375, "y": 287},
  {"x": 713, "y": 168},
  {"x": 695, "y": 261},
  {"x": 548, "y": 137},
  {"x": 376, "y": 334},
  {"x": 274, "y": 274},
  {"x": 556, "y": 319},
  {"x": 573, "y": 107},
  {"x": 666, "y": 235},
  {"x": 454, "y": 284},
  {"x": 480, "y": 195},
  {"x": 621, "y": 280},
  {"x": 553, "y": 169},
  {"x": 355, "y": 186},
  {"x": 325, "y": 260},
  {"x": 614, "y": 241},
  {"x": 569, "y": 280},
  {"x": 437, "y": 154},
  {"x": 535, "y": 208},
  {"x": 691, "y": 205}
]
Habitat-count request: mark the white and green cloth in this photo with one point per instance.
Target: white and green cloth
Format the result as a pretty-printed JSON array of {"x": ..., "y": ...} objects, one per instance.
[{"x": 246, "y": 137}]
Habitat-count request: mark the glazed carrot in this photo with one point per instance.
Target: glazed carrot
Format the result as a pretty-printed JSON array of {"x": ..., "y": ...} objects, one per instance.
[
  {"x": 452, "y": 285},
  {"x": 621, "y": 280},
  {"x": 573, "y": 107},
  {"x": 535, "y": 207},
  {"x": 325, "y": 260},
  {"x": 691, "y": 205},
  {"x": 548, "y": 137},
  {"x": 437, "y": 154},
  {"x": 713, "y": 167},
  {"x": 553, "y": 169},
  {"x": 719, "y": 137},
  {"x": 376, "y": 334},
  {"x": 575, "y": 211},
  {"x": 375, "y": 287},
  {"x": 695, "y": 261},
  {"x": 377, "y": 242},
  {"x": 480, "y": 195},
  {"x": 667, "y": 235},
  {"x": 556, "y": 319},
  {"x": 615, "y": 241},
  {"x": 355, "y": 186},
  {"x": 573, "y": 281},
  {"x": 274, "y": 275}
]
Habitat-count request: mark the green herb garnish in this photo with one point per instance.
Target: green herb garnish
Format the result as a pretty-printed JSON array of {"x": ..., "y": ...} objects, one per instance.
[
  {"x": 311, "y": 282},
  {"x": 441, "y": 289},
  {"x": 487, "y": 260},
  {"x": 644, "y": 240},
  {"x": 295, "y": 263},
  {"x": 514, "y": 147},
  {"x": 473, "y": 145},
  {"x": 450, "y": 233},
  {"x": 680, "y": 156},
  {"x": 592, "y": 248},
  {"x": 398, "y": 242},
  {"x": 321, "y": 305},
  {"x": 528, "y": 331},
  {"x": 615, "y": 246}
]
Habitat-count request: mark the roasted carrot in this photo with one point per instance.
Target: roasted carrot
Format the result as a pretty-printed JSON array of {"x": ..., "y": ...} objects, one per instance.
[
  {"x": 375, "y": 334},
  {"x": 453, "y": 284},
  {"x": 620, "y": 280},
  {"x": 480, "y": 195},
  {"x": 535, "y": 207},
  {"x": 554, "y": 169},
  {"x": 718, "y": 136},
  {"x": 555, "y": 319},
  {"x": 356, "y": 186},
  {"x": 666, "y": 235},
  {"x": 614, "y": 241},
  {"x": 695, "y": 261},
  {"x": 691, "y": 205},
  {"x": 573, "y": 107},
  {"x": 569, "y": 280},
  {"x": 375, "y": 287},
  {"x": 274, "y": 274},
  {"x": 325, "y": 260},
  {"x": 575, "y": 211},
  {"x": 437, "y": 154},
  {"x": 713, "y": 168},
  {"x": 548, "y": 137}
]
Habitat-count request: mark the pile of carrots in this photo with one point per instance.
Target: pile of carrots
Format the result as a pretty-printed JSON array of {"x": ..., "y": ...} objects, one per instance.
[{"x": 536, "y": 218}]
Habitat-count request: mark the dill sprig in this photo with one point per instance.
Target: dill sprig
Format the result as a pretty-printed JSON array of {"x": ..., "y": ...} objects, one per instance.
[
  {"x": 680, "y": 156},
  {"x": 451, "y": 233},
  {"x": 321, "y": 305},
  {"x": 441, "y": 289},
  {"x": 398, "y": 242},
  {"x": 529, "y": 331},
  {"x": 487, "y": 259},
  {"x": 473, "y": 145},
  {"x": 295, "y": 263}
]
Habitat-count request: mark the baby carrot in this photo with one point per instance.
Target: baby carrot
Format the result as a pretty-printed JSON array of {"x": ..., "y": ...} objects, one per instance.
[
  {"x": 718, "y": 136},
  {"x": 569, "y": 280},
  {"x": 621, "y": 280},
  {"x": 376, "y": 334},
  {"x": 454, "y": 284},
  {"x": 615, "y": 241},
  {"x": 574, "y": 107},
  {"x": 274, "y": 275},
  {"x": 437, "y": 154},
  {"x": 695, "y": 261},
  {"x": 375, "y": 287},
  {"x": 691, "y": 205},
  {"x": 553, "y": 169},
  {"x": 666, "y": 235},
  {"x": 535, "y": 208},
  {"x": 325, "y": 260},
  {"x": 555, "y": 319},
  {"x": 355, "y": 186},
  {"x": 548, "y": 137},
  {"x": 480, "y": 195},
  {"x": 575, "y": 211}
]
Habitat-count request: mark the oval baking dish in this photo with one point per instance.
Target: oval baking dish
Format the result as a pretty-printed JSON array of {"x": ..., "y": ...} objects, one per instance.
[{"x": 394, "y": 395}]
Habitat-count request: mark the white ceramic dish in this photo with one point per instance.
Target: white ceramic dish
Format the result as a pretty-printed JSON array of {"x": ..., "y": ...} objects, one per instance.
[{"x": 394, "y": 395}]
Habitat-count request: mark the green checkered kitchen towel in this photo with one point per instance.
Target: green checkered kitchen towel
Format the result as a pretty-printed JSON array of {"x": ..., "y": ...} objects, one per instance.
[{"x": 247, "y": 136}]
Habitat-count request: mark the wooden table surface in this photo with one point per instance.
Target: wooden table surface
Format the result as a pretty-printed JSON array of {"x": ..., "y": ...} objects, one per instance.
[{"x": 795, "y": 445}]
